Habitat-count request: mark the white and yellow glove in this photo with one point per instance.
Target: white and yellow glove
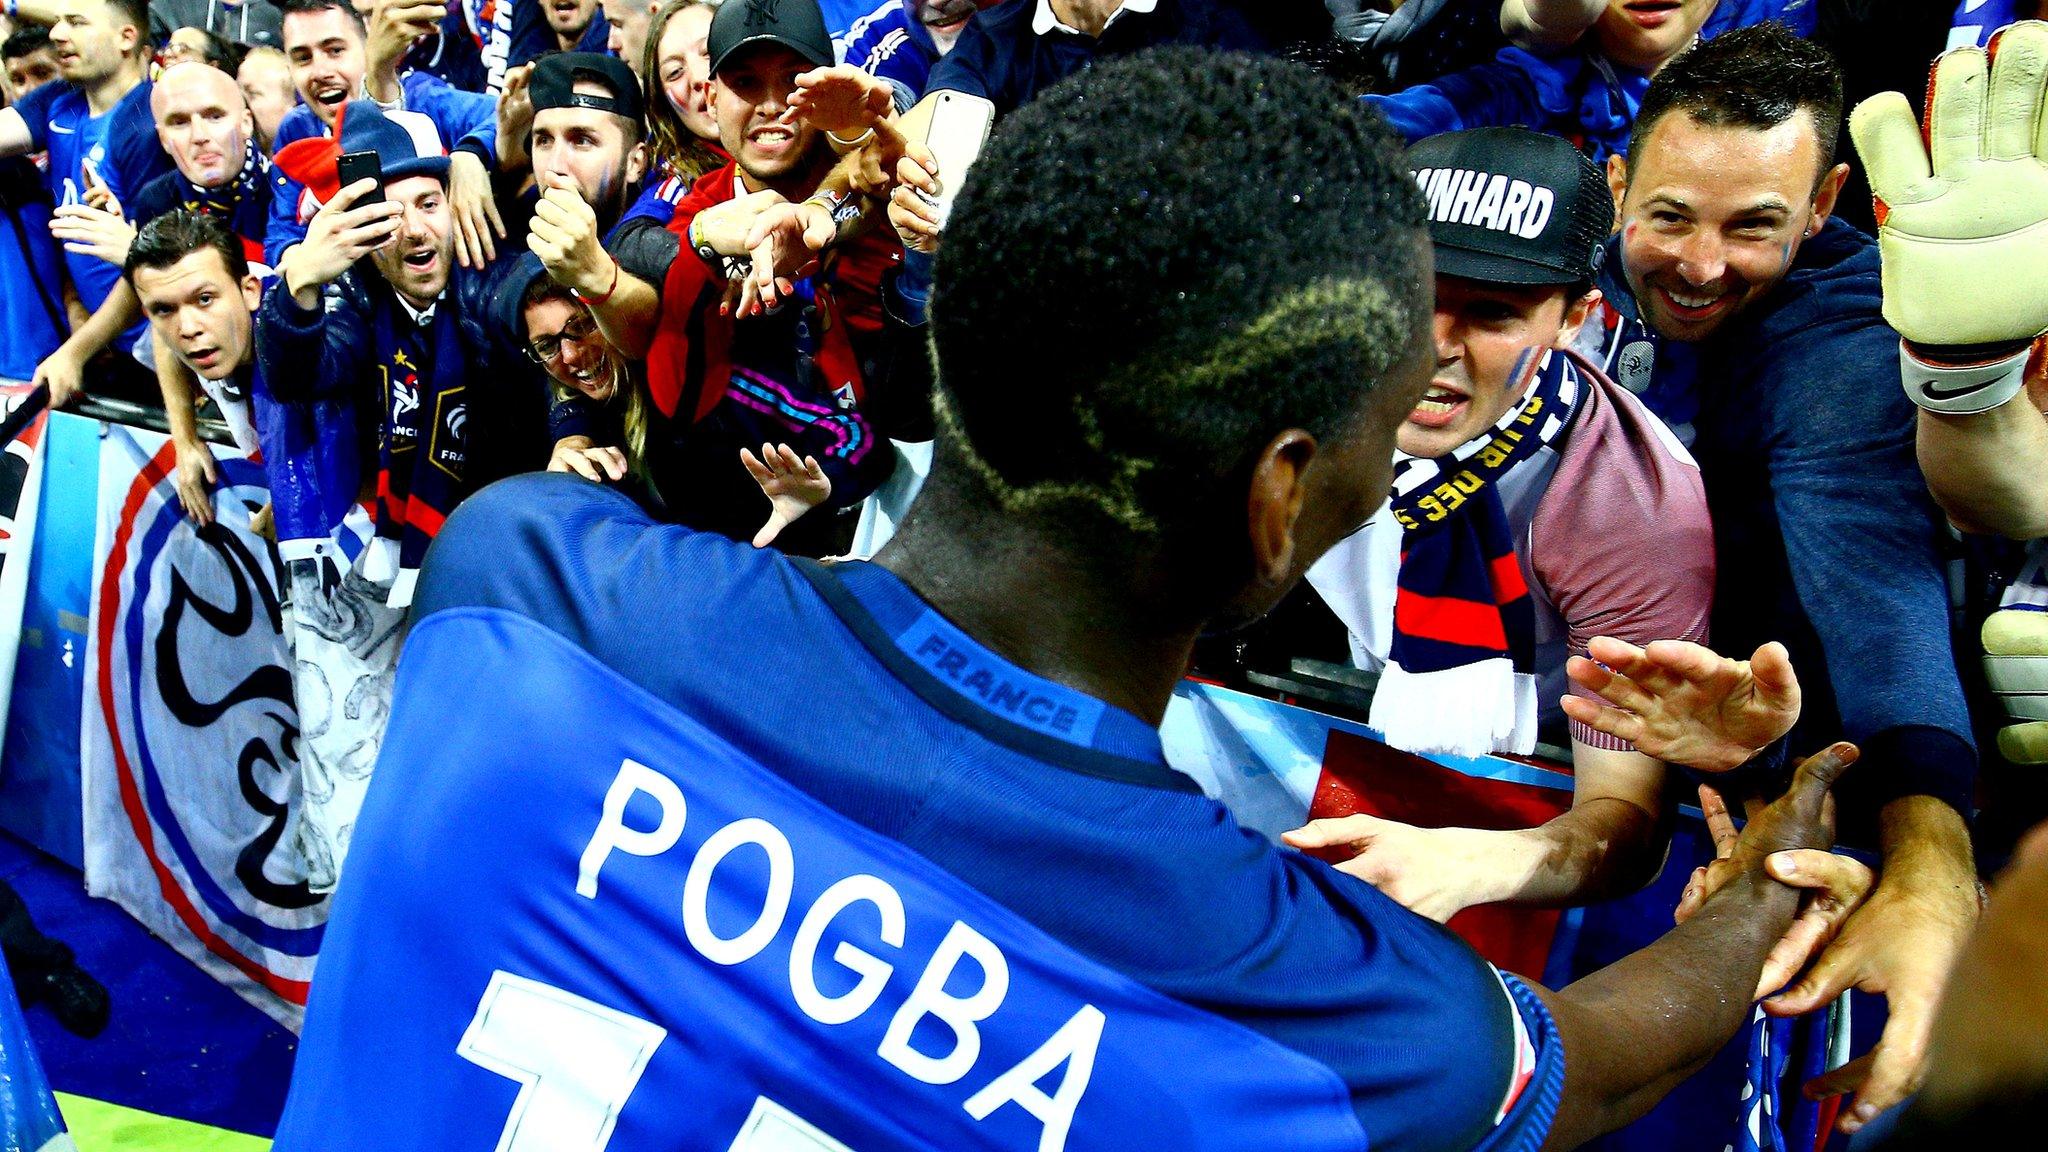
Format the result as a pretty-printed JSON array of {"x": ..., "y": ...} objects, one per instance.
[
  {"x": 1963, "y": 220},
  {"x": 2016, "y": 664}
]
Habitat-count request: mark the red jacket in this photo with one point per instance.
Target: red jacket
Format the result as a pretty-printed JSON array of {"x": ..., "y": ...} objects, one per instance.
[{"x": 689, "y": 365}]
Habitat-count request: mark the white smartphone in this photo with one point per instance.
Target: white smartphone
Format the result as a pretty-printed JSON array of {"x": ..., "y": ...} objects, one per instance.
[{"x": 959, "y": 126}]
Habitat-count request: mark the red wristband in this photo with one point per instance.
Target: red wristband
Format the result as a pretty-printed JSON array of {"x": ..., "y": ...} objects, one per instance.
[{"x": 607, "y": 292}]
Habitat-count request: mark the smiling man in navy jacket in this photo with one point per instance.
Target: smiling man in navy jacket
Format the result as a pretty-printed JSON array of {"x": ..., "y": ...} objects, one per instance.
[{"x": 1750, "y": 321}]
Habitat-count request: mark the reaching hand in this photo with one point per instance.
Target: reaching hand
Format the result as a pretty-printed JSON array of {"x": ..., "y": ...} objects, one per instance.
[
  {"x": 92, "y": 231},
  {"x": 515, "y": 118},
  {"x": 1685, "y": 704},
  {"x": 1900, "y": 944},
  {"x": 1427, "y": 870},
  {"x": 197, "y": 474},
  {"x": 395, "y": 26},
  {"x": 842, "y": 100},
  {"x": 563, "y": 234},
  {"x": 784, "y": 241},
  {"x": 911, "y": 208},
  {"x": 339, "y": 235},
  {"x": 793, "y": 487},
  {"x": 475, "y": 210},
  {"x": 1970, "y": 208},
  {"x": 579, "y": 454}
]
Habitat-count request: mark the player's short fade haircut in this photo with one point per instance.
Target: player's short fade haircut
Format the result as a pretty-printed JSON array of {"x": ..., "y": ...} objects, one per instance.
[
  {"x": 1154, "y": 268},
  {"x": 177, "y": 234},
  {"x": 1755, "y": 77},
  {"x": 287, "y": 7},
  {"x": 27, "y": 39}
]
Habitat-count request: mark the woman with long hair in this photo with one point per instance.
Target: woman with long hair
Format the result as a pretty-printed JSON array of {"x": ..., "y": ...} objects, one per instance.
[{"x": 675, "y": 68}]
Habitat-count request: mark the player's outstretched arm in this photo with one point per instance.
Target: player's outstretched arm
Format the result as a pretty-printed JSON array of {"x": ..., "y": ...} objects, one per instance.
[
  {"x": 1963, "y": 212},
  {"x": 1637, "y": 1027}
]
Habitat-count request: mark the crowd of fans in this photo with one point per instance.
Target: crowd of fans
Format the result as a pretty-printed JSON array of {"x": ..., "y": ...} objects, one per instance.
[{"x": 405, "y": 248}]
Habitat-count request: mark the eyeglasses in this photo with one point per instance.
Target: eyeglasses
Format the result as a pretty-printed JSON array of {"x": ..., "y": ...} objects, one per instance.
[{"x": 547, "y": 349}]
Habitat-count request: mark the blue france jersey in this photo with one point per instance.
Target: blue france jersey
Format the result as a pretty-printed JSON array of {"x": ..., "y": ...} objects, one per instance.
[
  {"x": 677, "y": 843},
  {"x": 120, "y": 145}
]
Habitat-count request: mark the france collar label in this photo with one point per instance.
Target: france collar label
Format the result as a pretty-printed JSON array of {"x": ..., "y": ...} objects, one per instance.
[{"x": 960, "y": 662}]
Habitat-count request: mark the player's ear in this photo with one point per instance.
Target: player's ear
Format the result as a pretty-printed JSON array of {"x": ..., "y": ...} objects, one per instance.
[{"x": 1273, "y": 505}]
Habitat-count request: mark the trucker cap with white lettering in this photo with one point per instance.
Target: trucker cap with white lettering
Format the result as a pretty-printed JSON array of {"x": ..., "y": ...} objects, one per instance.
[{"x": 1510, "y": 206}]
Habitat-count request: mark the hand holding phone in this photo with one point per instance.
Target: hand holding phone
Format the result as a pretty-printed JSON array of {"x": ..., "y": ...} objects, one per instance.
[
  {"x": 959, "y": 126},
  {"x": 355, "y": 166}
]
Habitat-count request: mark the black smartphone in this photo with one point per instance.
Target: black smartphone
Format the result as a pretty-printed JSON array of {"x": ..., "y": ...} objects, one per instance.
[{"x": 354, "y": 166}]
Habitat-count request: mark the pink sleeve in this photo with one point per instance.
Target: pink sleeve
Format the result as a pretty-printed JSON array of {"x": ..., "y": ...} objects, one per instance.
[{"x": 1622, "y": 542}]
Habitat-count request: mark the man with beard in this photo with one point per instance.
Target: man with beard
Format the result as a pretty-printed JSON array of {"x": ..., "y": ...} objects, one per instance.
[
  {"x": 388, "y": 390},
  {"x": 336, "y": 58},
  {"x": 588, "y": 158},
  {"x": 578, "y": 25},
  {"x": 902, "y": 39},
  {"x": 1750, "y": 321},
  {"x": 102, "y": 149},
  {"x": 403, "y": 339}
]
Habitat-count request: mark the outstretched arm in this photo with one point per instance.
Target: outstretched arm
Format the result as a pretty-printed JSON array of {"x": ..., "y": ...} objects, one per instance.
[{"x": 1637, "y": 1027}]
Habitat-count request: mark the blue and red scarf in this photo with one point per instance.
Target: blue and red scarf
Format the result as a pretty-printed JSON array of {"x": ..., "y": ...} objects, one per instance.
[
  {"x": 423, "y": 447},
  {"x": 1459, "y": 677}
]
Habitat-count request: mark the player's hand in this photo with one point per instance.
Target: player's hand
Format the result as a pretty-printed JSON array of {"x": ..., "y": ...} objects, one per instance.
[
  {"x": 1685, "y": 704},
  {"x": 563, "y": 234},
  {"x": 793, "y": 487},
  {"x": 1834, "y": 886},
  {"x": 92, "y": 231},
  {"x": 339, "y": 235},
  {"x": 197, "y": 474},
  {"x": 1970, "y": 208},
  {"x": 1435, "y": 872},
  {"x": 842, "y": 100},
  {"x": 1804, "y": 817},
  {"x": 63, "y": 371},
  {"x": 2016, "y": 666},
  {"x": 579, "y": 454},
  {"x": 475, "y": 211},
  {"x": 263, "y": 522},
  {"x": 912, "y": 211}
]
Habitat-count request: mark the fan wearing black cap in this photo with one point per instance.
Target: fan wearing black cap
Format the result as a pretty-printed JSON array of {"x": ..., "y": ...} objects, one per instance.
[
  {"x": 1530, "y": 495},
  {"x": 401, "y": 328},
  {"x": 587, "y": 155},
  {"x": 815, "y": 359}
]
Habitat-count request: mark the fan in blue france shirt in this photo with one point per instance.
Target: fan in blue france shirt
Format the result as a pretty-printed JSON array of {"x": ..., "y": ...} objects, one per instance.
[{"x": 119, "y": 146}]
